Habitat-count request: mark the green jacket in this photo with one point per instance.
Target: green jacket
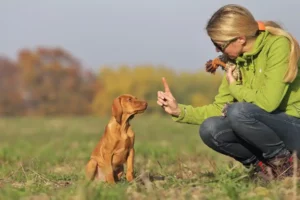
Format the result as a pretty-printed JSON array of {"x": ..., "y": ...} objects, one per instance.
[{"x": 263, "y": 71}]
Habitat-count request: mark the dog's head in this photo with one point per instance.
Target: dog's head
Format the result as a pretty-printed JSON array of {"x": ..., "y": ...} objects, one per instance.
[{"x": 127, "y": 105}]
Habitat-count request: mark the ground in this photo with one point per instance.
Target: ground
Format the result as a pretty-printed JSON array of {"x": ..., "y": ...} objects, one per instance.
[{"x": 44, "y": 158}]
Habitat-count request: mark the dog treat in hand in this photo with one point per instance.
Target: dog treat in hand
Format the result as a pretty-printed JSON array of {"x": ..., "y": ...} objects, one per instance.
[
  {"x": 225, "y": 63},
  {"x": 212, "y": 65}
]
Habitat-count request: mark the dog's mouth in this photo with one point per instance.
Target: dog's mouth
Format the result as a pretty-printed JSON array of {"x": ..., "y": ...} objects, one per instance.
[
  {"x": 142, "y": 108},
  {"x": 136, "y": 112},
  {"x": 140, "y": 111}
]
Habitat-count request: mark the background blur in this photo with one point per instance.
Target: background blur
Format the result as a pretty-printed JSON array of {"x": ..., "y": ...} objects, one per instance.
[{"x": 67, "y": 57}]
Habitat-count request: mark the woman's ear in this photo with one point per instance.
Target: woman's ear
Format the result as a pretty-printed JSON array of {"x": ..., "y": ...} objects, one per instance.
[{"x": 242, "y": 40}]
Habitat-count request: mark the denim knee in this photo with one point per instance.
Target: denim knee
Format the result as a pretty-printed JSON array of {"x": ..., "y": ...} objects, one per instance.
[
  {"x": 207, "y": 129},
  {"x": 238, "y": 112}
]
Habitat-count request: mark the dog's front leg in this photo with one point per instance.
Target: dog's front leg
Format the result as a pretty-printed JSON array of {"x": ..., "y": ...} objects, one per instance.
[
  {"x": 109, "y": 172},
  {"x": 130, "y": 160},
  {"x": 110, "y": 177}
]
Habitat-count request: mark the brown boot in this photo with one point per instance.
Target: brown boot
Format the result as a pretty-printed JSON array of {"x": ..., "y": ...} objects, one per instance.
[
  {"x": 263, "y": 171},
  {"x": 282, "y": 165}
]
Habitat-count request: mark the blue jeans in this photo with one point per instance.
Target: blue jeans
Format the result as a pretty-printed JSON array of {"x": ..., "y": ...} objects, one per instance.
[{"x": 248, "y": 133}]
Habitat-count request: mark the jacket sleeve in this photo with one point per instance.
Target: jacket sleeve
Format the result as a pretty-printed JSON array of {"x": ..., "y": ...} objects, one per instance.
[
  {"x": 196, "y": 115},
  {"x": 273, "y": 89}
]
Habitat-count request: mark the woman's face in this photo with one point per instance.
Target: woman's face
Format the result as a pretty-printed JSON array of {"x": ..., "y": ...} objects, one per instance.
[{"x": 232, "y": 48}]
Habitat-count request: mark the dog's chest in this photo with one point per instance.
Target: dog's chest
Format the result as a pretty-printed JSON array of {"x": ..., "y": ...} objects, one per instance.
[{"x": 121, "y": 151}]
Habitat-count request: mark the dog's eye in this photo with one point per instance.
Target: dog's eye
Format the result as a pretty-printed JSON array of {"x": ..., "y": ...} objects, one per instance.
[{"x": 129, "y": 99}]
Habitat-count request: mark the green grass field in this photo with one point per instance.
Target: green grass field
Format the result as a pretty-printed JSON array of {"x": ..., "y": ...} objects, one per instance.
[{"x": 44, "y": 158}]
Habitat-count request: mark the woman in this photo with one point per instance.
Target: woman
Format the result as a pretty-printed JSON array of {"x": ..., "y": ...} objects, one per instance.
[{"x": 260, "y": 123}]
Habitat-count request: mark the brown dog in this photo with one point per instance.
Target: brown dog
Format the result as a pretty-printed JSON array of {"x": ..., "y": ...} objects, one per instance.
[{"x": 116, "y": 147}]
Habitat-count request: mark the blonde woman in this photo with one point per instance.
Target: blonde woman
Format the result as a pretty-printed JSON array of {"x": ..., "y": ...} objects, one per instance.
[{"x": 256, "y": 120}]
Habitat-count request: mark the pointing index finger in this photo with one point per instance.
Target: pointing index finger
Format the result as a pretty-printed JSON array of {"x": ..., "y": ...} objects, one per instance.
[{"x": 167, "y": 89}]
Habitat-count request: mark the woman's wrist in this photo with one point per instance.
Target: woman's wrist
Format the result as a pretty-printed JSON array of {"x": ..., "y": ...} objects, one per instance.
[{"x": 177, "y": 112}]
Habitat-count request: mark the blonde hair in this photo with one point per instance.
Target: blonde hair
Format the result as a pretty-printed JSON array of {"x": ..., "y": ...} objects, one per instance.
[{"x": 234, "y": 20}]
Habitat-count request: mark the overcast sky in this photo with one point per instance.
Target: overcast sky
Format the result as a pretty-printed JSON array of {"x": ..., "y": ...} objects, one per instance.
[{"x": 114, "y": 32}]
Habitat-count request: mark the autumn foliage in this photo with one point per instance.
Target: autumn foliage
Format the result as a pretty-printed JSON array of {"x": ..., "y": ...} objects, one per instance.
[{"x": 48, "y": 81}]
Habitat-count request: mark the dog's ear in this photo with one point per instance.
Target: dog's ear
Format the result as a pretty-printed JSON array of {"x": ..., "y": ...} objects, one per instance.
[{"x": 117, "y": 110}]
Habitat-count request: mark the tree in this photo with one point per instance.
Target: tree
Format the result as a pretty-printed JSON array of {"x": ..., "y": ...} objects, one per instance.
[
  {"x": 144, "y": 81},
  {"x": 54, "y": 83},
  {"x": 11, "y": 102}
]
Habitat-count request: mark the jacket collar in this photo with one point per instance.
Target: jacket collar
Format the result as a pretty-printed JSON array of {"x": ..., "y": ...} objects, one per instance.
[{"x": 258, "y": 45}]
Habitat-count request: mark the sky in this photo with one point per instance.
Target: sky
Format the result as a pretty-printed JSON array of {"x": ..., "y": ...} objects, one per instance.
[{"x": 133, "y": 32}]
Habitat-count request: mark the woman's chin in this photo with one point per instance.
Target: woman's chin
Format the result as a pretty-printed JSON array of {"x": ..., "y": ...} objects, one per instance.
[{"x": 232, "y": 57}]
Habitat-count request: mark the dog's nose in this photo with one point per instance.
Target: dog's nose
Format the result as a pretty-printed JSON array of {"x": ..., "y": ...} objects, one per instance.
[{"x": 145, "y": 103}]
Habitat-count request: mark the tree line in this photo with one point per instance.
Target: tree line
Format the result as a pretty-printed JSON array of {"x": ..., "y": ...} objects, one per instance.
[{"x": 50, "y": 81}]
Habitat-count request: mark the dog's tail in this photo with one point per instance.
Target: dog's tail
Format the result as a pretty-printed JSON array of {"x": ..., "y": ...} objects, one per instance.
[{"x": 91, "y": 169}]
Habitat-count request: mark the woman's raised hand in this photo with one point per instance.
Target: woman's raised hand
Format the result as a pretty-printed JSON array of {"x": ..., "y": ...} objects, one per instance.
[{"x": 167, "y": 101}]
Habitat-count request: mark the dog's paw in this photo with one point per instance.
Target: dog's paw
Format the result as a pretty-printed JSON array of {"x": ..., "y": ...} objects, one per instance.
[{"x": 129, "y": 177}]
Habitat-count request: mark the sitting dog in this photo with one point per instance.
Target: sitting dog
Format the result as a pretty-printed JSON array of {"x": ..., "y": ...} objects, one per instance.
[{"x": 116, "y": 147}]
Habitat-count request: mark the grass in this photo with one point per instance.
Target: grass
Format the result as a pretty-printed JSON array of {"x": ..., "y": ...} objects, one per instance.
[{"x": 44, "y": 158}]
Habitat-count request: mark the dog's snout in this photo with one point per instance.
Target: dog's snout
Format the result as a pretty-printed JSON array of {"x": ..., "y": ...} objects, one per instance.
[{"x": 145, "y": 103}]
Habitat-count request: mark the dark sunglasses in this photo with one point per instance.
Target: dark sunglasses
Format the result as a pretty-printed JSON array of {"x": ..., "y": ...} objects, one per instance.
[{"x": 225, "y": 44}]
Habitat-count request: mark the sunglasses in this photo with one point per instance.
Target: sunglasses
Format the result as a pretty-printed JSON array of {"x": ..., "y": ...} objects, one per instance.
[{"x": 225, "y": 44}]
